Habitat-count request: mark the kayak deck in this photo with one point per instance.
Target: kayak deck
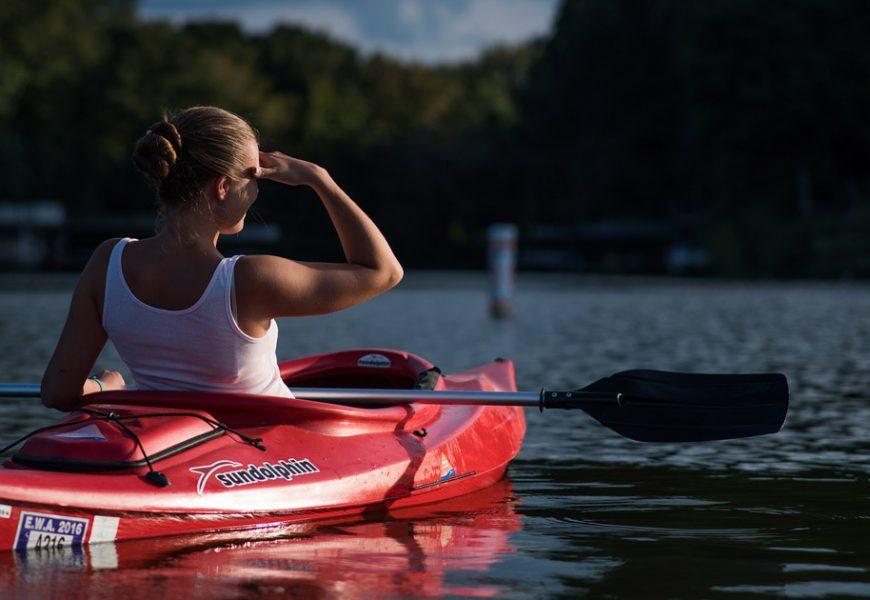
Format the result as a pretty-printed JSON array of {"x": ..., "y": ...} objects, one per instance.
[{"x": 89, "y": 480}]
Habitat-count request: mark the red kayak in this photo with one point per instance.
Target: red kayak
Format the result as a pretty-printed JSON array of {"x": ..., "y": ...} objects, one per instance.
[{"x": 141, "y": 464}]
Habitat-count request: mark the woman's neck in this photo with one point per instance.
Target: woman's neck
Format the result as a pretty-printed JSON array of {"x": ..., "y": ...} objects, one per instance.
[{"x": 185, "y": 232}]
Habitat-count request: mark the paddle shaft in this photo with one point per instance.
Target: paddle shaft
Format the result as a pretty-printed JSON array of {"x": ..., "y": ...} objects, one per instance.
[
  {"x": 19, "y": 390},
  {"x": 471, "y": 398},
  {"x": 643, "y": 405},
  {"x": 375, "y": 397}
]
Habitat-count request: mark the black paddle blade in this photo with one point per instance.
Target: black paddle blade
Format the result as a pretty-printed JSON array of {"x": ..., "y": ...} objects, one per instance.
[{"x": 659, "y": 406}]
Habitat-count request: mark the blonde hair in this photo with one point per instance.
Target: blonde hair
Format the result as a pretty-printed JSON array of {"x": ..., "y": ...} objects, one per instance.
[{"x": 182, "y": 153}]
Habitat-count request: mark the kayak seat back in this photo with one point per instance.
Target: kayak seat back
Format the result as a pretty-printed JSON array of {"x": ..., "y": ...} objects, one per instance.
[{"x": 358, "y": 368}]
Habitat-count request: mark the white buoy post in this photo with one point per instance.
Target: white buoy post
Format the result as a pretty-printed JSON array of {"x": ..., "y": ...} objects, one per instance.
[{"x": 502, "y": 259}]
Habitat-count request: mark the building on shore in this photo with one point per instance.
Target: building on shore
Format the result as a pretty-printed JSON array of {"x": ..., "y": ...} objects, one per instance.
[
  {"x": 39, "y": 235},
  {"x": 615, "y": 246},
  {"x": 30, "y": 233}
]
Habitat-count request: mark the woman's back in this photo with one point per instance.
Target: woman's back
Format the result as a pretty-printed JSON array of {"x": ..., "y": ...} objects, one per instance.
[
  {"x": 171, "y": 280},
  {"x": 194, "y": 345}
]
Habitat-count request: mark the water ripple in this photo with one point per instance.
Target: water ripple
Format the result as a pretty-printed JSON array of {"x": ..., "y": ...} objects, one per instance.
[{"x": 592, "y": 513}]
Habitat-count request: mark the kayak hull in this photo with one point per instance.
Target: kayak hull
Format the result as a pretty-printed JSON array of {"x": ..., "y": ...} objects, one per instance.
[
  {"x": 398, "y": 555},
  {"x": 315, "y": 461}
]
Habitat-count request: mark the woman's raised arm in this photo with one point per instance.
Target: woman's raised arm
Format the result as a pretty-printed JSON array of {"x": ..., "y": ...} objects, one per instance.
[{"x": 279, "y": 287}]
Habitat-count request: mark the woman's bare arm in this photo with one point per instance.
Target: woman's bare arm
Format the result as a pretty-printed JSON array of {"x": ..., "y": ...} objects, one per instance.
[
  {"x": 279, "y": 287},
  {"x": 83, "y": 337}
]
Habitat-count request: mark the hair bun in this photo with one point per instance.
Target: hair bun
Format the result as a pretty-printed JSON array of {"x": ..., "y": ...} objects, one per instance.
[
  {"x": 169, "y": 131},
  {"x": 157, "y": 151}
]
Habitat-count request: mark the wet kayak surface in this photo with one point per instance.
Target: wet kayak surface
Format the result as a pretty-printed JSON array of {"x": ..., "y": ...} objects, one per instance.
[{"x": 583, "y": 511}]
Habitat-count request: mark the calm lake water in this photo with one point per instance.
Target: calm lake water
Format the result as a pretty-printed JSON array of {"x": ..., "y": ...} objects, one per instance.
[{"x": 583, "y": 511}]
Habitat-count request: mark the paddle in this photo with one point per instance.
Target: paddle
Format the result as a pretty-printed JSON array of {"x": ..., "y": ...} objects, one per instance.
[{"x": 647, "y": 406}]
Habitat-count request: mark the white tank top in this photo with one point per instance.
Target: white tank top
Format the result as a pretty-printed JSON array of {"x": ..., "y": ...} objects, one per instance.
[{"x": 199, "y": 348}]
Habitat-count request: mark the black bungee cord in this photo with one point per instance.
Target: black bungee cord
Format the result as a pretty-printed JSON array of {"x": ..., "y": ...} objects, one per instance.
[{"x": 158, "y": 478}]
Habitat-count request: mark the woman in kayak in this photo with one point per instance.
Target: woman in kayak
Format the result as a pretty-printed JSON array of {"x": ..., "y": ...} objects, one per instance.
[{"x": 182, "y": 316}]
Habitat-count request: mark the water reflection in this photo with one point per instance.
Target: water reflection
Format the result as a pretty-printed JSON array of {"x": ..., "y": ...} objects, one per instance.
[{"x": 410, "y": 553}]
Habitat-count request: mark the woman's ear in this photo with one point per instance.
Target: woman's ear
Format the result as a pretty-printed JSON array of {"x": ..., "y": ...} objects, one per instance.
[{"x": 222, "y": 187}]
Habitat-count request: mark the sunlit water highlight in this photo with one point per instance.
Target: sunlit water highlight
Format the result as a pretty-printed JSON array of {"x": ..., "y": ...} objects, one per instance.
[{"x": 584, "y": 511}]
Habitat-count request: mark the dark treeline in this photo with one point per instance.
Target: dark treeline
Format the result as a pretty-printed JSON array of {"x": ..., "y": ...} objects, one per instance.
[{"x": 751, "y": 118}]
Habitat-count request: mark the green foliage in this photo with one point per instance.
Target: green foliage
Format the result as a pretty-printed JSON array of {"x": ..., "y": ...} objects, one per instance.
[
  {"x": 749, "y": 116},
  {"x": 753, "y": 115},
  {"x": 80, "y": 80}
]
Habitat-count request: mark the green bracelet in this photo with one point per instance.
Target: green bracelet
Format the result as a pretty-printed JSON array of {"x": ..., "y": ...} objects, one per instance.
[{"x": 99, "y": 383}]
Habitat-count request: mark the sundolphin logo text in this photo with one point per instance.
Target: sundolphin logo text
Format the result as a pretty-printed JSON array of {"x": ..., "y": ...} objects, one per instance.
[
  {"x": 206, "y": 472},
  {"x": 284, "y": 469}
]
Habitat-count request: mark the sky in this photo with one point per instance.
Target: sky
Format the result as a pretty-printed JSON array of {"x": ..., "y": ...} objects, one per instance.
[{"x": 429, "y": 31}]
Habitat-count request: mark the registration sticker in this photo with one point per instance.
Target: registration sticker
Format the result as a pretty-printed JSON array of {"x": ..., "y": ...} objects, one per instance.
[{"x": 43, "y": 531}]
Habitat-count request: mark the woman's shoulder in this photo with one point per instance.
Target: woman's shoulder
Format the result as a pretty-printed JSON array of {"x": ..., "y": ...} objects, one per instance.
[
  {"x": 94, "y": 274},
  {"x": 258, "y": 271},
  {"x": 100, "y": 258},
  {"x": 264, "y": 283}
]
